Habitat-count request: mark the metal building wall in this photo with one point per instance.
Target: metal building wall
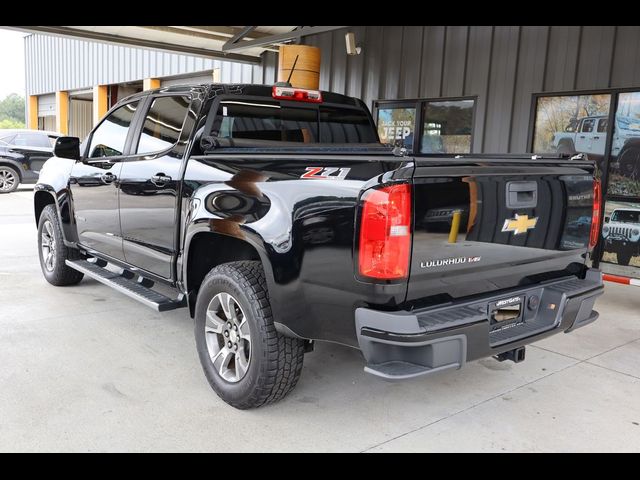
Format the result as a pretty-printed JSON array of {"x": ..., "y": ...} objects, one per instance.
[
  {"x": 502, "y": 65},
  {"x": 55, "y": 63}
]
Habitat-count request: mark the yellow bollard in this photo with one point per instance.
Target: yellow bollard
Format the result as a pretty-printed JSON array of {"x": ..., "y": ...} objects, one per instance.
[{"x": 455, "y": 226}]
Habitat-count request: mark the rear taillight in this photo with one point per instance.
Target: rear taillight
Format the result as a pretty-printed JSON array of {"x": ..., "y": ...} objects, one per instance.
[
  {"x": 296, "y": 94},
  {"x": 595, "y": 216},
  {"x": 385, "y": 233}
]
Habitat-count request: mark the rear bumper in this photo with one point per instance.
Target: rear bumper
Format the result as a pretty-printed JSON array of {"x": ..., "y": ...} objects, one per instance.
[{"x": 403, "y": 345}]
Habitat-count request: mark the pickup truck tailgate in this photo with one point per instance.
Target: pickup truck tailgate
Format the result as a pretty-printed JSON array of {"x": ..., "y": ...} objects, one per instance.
[{"x": 519, "y": 223}]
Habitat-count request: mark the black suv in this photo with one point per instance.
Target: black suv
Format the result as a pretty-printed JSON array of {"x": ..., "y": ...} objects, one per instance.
[{"x": 22, "y": 154}]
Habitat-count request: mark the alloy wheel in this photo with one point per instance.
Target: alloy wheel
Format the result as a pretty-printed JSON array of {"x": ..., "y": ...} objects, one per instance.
[
  {"x": 48, "y": 246},
  {"x": 7, "y": 180},
  {"x": 228, "y": 337}
]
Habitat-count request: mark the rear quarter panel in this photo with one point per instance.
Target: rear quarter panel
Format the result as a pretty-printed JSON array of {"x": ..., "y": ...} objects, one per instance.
[{"x": 303, "y": 230}]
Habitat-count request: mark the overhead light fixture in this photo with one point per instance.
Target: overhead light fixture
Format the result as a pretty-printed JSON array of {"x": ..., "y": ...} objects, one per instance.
[{"x": 352, "y": 48}]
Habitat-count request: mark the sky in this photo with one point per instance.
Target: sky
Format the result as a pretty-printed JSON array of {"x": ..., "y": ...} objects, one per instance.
[{"x": 12, "y": 61}]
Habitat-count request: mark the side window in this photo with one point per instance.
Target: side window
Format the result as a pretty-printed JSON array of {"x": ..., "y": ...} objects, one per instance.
[
  {"x": 31, "y": 140},
  {"x": 587, "y": 125},
  {"x": 109, "y": 138},
  {"x": 602, "y": 125},
  {"x": 163, "y": 124}
]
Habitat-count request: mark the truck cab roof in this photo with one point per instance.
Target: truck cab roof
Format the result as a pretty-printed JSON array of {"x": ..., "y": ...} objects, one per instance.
[{"x": 248, "y": 89}]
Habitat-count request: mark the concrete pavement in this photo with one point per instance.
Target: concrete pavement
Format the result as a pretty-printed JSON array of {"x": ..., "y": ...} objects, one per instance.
[{"x": 87, "y": 369}]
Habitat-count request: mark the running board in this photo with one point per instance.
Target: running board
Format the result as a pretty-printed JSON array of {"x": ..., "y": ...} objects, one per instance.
[{"x": 129, "y": 287}]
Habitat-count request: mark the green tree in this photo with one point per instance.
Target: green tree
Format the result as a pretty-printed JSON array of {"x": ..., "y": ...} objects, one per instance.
[
  {"x": 12, "y": 108},
  {"x": 8, "y": 123}
]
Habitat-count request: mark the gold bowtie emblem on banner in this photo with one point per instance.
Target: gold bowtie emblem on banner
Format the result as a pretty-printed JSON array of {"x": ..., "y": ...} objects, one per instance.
[{"x": 520, "y": 224}]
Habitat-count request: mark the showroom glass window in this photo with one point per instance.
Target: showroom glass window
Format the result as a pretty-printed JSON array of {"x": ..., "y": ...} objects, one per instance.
[
  {"x": 396, "y": 125},
  {"x": 109, "y": 138},
  {"x": 624, "y": 174},
  {"x": 163, "y": 124},
  {"x": 572, "y": 124},
  {"x": 447, "y": 126},
  {"x": 621, "y": 229}
]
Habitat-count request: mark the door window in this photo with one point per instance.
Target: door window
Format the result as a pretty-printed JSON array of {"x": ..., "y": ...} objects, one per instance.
[
  {"x": 108, "y": 140},
  {"x": 587, "y": 126},
  {"x": 163, "y": 124},
  {"x": 602, "y": 125}
]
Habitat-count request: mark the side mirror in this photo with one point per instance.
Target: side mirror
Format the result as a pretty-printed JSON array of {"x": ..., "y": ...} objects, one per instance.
[
  {"x": 606, "y": 219},
  {"x": 67, "y": 147}
]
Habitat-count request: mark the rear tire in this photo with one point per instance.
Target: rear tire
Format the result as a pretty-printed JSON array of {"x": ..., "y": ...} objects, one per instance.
[
  {"x": 624, "y": 258},
  {"x": 53, "y": 252},
  {"x": 246, "y": 361},
  {"x": 9, "y": 179}
]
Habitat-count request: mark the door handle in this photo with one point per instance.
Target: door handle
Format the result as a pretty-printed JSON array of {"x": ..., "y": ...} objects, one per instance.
[
  {"x": 160, "y": 179},
  {"x": 596, "y": 138},
  {"x": 108, "y": 178},
  {"x": 582, "y": 136}
]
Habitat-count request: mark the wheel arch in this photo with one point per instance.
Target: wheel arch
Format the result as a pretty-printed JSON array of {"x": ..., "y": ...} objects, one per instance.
[
  {"x": 567, "y": 141},
  {"x": 41, "y": 199},
  {"x": 632, "y": 142},
  {"x": 206, "y": 249}
]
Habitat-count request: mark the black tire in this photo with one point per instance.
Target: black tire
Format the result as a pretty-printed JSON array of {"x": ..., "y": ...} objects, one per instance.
[
  {"x": 9, "y": 179},
  {"x": 56, "y": 271},
  {"x": 623, "y": 258},
  {"x": 275, "y": 361},
  {"x": 566, "y": 147},
  {"x": 629, "y": 162}
]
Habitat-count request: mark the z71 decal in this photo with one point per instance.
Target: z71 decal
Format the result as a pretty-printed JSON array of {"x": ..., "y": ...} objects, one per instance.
[{"x": 325, "y": 173}]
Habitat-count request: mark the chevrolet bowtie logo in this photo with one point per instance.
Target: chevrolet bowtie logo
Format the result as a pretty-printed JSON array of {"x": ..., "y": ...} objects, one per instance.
[{"x": 520, "y": 224}]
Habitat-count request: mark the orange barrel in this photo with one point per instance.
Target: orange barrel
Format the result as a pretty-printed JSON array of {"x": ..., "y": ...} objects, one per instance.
[{"x": 307, "y": 71}]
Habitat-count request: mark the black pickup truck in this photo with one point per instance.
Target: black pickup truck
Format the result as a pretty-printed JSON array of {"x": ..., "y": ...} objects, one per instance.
[{"x": 278, "y": 219}]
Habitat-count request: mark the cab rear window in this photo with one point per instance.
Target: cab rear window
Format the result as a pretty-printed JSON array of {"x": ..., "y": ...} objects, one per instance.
[{"x": 247, "y": 123}]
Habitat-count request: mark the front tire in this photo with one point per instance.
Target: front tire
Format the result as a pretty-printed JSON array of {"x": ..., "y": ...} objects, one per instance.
[
  {"x": 624, "y": 258},
  {"x": 53, "y": 252},
  {"x": 629, "y": 162},
  {"x": 9, "y": 179},
  {"x": 246, "y": 361}
]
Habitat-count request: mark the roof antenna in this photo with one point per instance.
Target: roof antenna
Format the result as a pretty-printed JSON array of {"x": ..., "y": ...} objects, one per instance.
[{"x": 288, "y": 82}]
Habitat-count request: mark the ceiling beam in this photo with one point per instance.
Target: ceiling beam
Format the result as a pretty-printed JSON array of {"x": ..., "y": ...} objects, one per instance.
[
  {"x": 240, "y": 35},
  {"x": 184, "y": 31},
  {"x": 137, "y": 42},
  {"x": 281, "y": 37},
  {"x": 224, "y": 30}
]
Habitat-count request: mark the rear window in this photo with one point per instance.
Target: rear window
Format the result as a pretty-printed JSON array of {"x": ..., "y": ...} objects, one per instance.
[{"x": 269, "y": 123}]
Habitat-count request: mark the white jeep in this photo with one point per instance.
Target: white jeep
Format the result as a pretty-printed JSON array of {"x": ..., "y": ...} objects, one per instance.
[
  {"x": 621, "y": 234},
  {"x": 589, "y": 135}
]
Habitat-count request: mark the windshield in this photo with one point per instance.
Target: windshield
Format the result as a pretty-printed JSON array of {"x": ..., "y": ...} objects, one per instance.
[{"x": 626, "y": 216}]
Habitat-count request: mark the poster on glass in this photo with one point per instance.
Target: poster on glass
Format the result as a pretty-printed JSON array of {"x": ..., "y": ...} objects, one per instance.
[{"x": 396, "y": 126}]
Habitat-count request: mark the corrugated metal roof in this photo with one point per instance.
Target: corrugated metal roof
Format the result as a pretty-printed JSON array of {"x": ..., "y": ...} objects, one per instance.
[{"x": 55, "y": 63}]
